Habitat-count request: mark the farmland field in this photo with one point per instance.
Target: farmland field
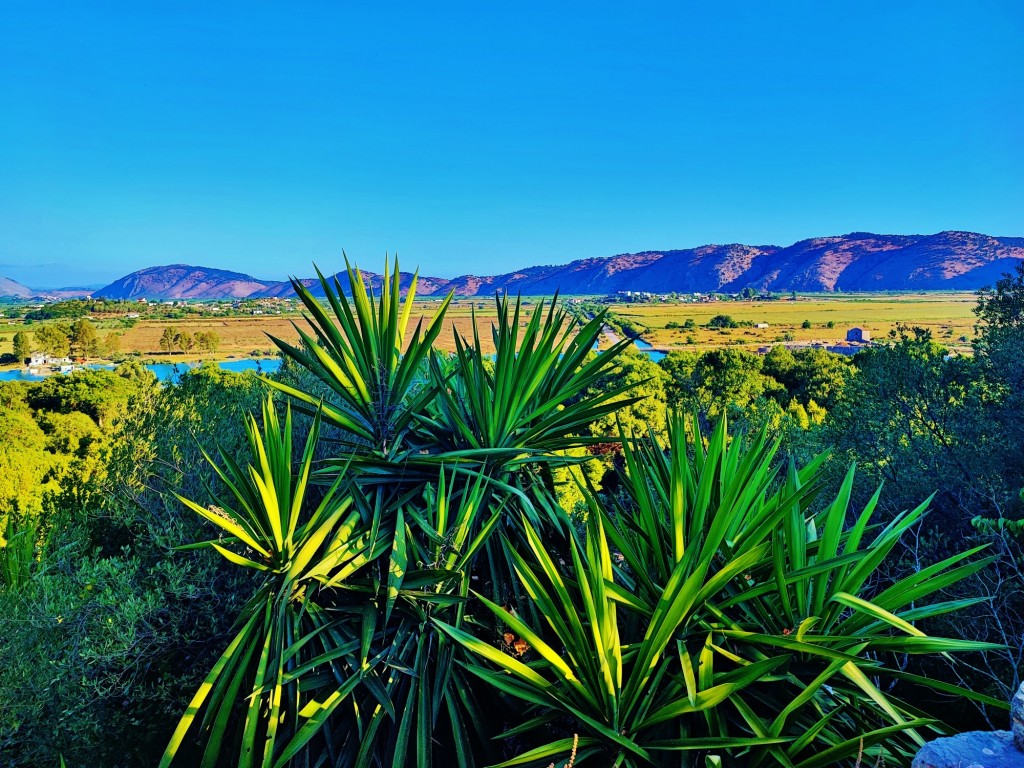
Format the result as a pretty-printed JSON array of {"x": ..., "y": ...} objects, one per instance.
[
  {"x": 947, "y": 316},
  {"x": 245, "y": 335},
  {"x": 242, "y": 335}
]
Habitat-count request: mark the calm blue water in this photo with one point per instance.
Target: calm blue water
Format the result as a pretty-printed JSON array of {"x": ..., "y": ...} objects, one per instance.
[
  {"x": 169, "y": 371},
  {"x": 174, "y": 371},
  {"x": 648, "y": 350}
]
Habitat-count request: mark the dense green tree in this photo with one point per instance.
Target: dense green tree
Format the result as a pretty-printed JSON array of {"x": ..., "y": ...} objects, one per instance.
[
  {"x": 1001, "y": 308},
  {"x": 56, "y": 432},
  {"x": 207, "y": 341},
  {"x": 73, "y": 433},
  {"x": 24, "y": 461},
  {"x": 999, "y": 350},
  {"x": 808, "y": 374},
  {"x": 77, "y": 308},
  {"x": 645, "y": 380},
  {"x": 84, "y": 339},
  {"x": 718, "y": 381},
  {"x": 184, "y": 341},
  {"x": 111, "y": 344},
  {"x": 21, "y": 346},
  {"x": 54, "y": 339},
  {"x": 99, "y": 394},
  {"x": 780, "y": 363},
  {"x": 915, "y": 417},
  {"x": 721, "y": 321},
  {"x": 167, "y": 340}
]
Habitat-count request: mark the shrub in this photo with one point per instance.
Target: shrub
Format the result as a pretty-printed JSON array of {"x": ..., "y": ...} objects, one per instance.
[{"x": 722, "y": 321}]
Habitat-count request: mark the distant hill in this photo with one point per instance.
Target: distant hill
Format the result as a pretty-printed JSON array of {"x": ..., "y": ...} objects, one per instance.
[
  {"x": 12, "y": 290},
  {"x": 860, "y": 261},
  {"x": 181, "y": 281}
]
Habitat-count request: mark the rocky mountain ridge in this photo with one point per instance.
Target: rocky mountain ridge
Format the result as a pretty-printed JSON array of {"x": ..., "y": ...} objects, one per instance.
[{"x": 860, "y": 261}]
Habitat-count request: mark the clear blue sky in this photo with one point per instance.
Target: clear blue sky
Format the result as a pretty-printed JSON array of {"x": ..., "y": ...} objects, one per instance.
[{"x": 480, "y": 137}]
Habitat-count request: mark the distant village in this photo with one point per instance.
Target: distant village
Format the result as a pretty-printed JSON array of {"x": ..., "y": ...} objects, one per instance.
[
  {"x": 268, "y": 306},
  {"x": 647, "y": 297}
]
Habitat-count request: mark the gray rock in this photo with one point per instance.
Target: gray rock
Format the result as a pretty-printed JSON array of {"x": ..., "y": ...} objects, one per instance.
[
  {"x": 977, "y": 749},
  {"x": 1017, "y": 718}
]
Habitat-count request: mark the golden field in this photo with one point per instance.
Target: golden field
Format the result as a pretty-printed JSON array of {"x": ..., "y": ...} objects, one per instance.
[
  {"x": 242, "y": 336},
  {"x": 947, "y": 316}
]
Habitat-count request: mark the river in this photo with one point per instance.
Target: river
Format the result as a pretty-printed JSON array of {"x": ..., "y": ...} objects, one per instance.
[
  {"x": 167, "y": 371},
  {"x": 173, "y": 371},
  {"x": 649, "y": 350}
]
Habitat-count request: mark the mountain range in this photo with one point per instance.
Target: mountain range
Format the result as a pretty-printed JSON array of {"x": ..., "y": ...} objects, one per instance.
[
  {"x": 860, "y": 261},
  {"x": 10, "y": 289},
  {"x": 13, "y": 290}
]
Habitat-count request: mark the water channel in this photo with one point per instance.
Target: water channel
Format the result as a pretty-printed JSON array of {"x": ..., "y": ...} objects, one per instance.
[
  {"x": 167, "y": 371},
  {"x": 173, "y": 371}
]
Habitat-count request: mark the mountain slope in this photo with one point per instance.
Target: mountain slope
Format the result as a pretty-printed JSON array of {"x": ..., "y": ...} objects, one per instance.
[
  {"x": 13, "y": 290},
  {"x": 860, "y": 261},
  {"x": 182, "y": 281}
]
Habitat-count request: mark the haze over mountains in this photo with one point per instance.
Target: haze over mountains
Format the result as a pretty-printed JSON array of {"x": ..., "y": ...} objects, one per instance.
[{"x": 858, "y": 261}]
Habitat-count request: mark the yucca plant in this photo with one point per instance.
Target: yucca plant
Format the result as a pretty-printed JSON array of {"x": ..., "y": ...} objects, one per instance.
[
  {"x": 294, "y": 546},
  {"x": 811, "y": 596},
  {"x": 716, "y": 614},
  {"x": 18, "y": 551},
  {"x": 625, "y": 692},
  {"x": 434, "y": 709},
  {"x": 522, "y": 404},
  {"x": 364, "y": 674},
  {"x": 359, "y": 351}
]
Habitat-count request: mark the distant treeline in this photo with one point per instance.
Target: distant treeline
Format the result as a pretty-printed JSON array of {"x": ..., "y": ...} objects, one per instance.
[{"x": 71, "y": 309}]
